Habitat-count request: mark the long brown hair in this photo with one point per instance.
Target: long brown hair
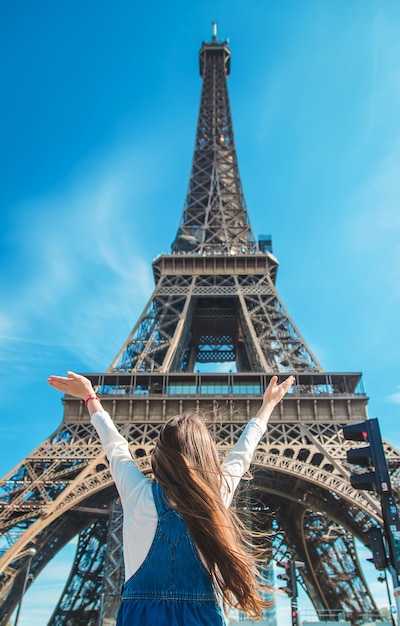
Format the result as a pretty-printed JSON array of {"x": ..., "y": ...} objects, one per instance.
[{"x": 185, "y": 463}]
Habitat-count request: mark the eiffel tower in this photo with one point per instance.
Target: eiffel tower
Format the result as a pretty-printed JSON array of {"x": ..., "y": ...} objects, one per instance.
[{"x": 210, "y": 337}]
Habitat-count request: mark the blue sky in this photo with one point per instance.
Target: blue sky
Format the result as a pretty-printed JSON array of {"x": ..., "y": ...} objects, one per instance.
[{"x": 97, "y": 123}]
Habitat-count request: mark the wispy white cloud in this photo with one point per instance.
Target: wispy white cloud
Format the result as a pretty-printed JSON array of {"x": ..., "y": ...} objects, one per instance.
[
  {"x": 395, "y": 397},
  {"x": 372, "y": 221},
  {"x": 373, "y": 230},
  {"x": 83, "y": 262},
  {"x": 385, "y": 74}
]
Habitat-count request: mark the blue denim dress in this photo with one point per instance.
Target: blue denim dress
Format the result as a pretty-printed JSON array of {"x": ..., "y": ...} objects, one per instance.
[{"x": 171, "y": 587}]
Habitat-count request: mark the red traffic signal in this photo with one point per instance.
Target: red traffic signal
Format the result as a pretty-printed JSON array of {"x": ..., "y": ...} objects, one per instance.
[
  {"x": 371, "y": 456},
  {"x": 357, "y": 432},
  {"x": 289, "y": 576},
  {"x": 286, "y": 577}
]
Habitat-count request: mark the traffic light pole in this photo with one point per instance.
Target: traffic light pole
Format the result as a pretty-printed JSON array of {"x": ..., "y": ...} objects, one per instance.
[
  {"x": 383, "y": 578},
  {"x": 377, "y": 480},
  {"x": 391, "y": 524},
  {"x": 391, "y": 520},
  {"x": 290, "y": 579},
  {"x": 294, "y": 601}
]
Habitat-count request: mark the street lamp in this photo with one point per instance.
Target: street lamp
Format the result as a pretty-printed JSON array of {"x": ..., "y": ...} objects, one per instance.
[{"x": 30, "y": 553}]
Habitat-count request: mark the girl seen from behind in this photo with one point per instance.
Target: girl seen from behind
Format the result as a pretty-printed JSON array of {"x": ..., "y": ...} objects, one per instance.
[{"x": 185, "y": 553}]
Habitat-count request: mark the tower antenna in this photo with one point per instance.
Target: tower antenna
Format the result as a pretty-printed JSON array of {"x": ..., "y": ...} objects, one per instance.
[{"x": 214, "y": 31}]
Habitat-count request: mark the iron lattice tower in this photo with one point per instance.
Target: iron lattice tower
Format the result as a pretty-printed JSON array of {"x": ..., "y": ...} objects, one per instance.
[{"x": 214, "y": 302}]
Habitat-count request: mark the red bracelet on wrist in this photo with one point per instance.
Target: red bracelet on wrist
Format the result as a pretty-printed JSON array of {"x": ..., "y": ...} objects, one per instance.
[{"x": 91, "y": 397}]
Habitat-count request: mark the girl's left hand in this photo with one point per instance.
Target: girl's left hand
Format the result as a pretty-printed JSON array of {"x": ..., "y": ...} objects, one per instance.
[{"x": 73, "y": 384}]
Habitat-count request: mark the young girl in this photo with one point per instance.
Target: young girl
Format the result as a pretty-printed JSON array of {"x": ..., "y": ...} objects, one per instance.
[{"x": 184, "y": 551}]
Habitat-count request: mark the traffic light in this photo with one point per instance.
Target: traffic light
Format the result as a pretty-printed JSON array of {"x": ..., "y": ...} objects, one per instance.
[
  {"x": 291, "y": 584},
  {"x": 289, "y": 577},
  {"x": 377, "y": 547},
  {"x": 371, "y": 456}
]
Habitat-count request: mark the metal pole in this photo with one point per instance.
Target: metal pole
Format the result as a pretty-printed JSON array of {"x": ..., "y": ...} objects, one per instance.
[
  {"x": 31, "y": 552},
  {"x": 391, "y": 524},
  {"x": 397, "y": 598},
  {"x": 381, "y": 578},
  {"x": 391, "y": 519}
]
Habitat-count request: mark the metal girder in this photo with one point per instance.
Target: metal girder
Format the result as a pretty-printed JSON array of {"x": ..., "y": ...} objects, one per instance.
[
  {"x": 113, "y": 566},
  {"x": 307, "y": 527},
  {"x": 214, "y": 218},
  {"x": 48, "y": 540},
  {"x": 183, "y": 313},
  {"x": 80, "y": 601}
]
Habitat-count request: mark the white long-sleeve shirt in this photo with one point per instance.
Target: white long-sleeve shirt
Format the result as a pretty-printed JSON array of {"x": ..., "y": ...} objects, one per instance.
[{"x": 134, "y": 488}]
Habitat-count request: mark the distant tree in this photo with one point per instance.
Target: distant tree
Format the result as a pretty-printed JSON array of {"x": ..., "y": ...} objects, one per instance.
[{"x": 385, "y": 613}]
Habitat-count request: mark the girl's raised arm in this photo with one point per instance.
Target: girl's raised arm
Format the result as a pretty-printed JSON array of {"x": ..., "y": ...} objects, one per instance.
[
  {"x": 272, "y": 396},
  {"x": 78, "y": 386}
]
